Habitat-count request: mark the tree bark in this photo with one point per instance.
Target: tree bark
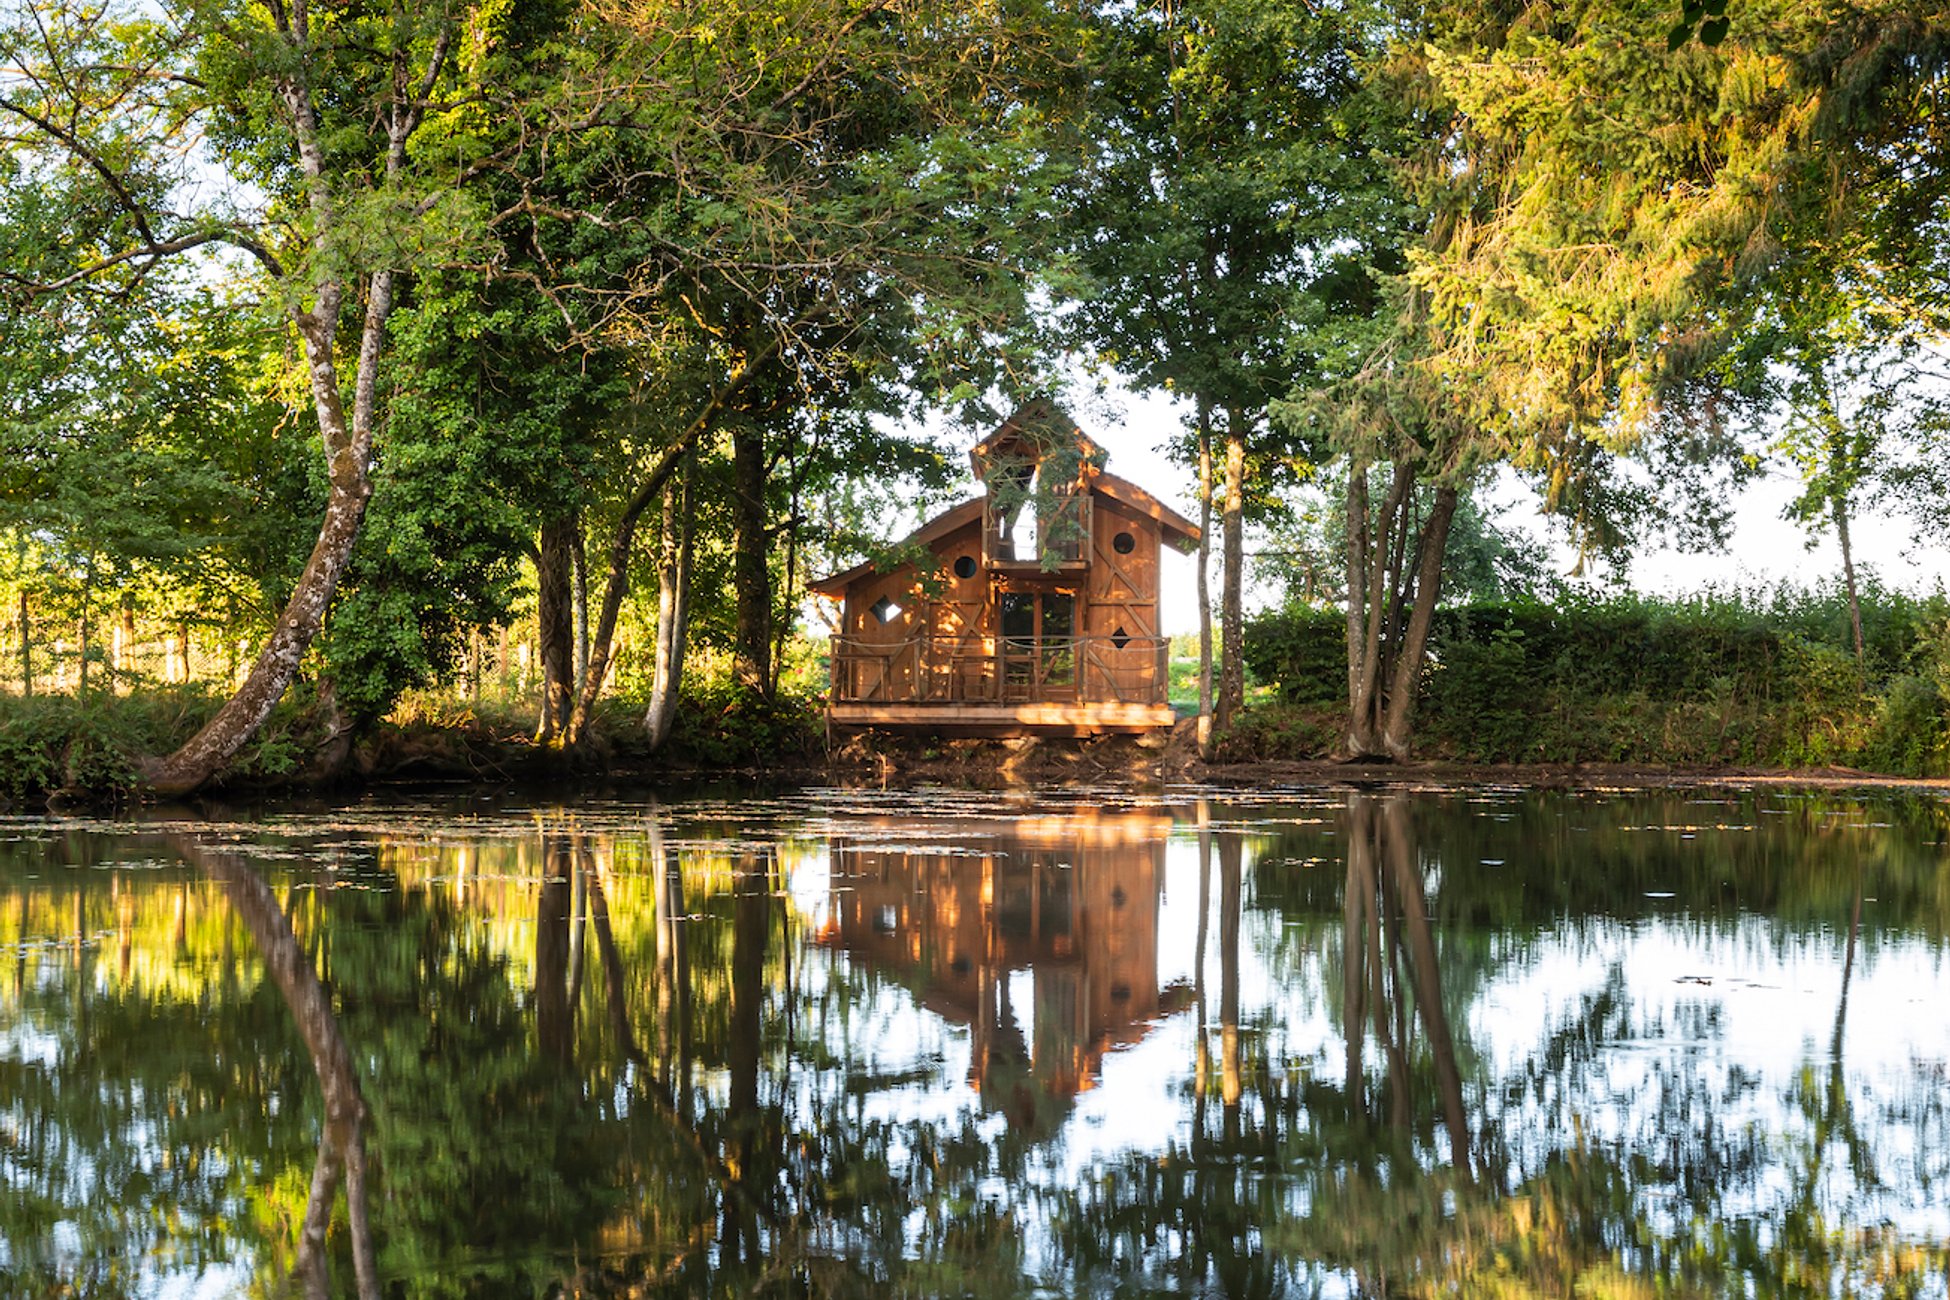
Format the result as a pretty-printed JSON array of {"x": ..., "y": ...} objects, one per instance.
[
  {"x": 1394, "y": 580},
  {"x": 26, "y": 646},
  {"x": 623, "y": 540},
  {"x": 673, "y": 606},
  {"x": 1398, "y": 729},
  {"x": 1232, "y": 634},
  {"x": 554, "y": 628},
  {"x": 1204, "y": 578},
  {"x": 750, "y": 570},
  {"x": 579, "y": 602}
]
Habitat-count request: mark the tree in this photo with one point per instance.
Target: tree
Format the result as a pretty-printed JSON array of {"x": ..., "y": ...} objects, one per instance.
[
  {"x": 1230, "y": 211},
  {"x": 317, "y": 116},
  {"x": 1593, "y": 204}
]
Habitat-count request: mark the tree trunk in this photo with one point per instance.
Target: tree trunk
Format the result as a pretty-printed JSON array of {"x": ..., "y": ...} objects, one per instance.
[
  {"x": 673, "y": 601},
  {"x": 348, "y": 450},
  {"x": 579, "y": 599},
  {"x": 26, "y": 647},
  {"x": 207, "y": 752},
  {"x": 124, "y": 659},
  {"x": 554, "y": 628},
  {"x": 1204, "y": 579},
  {"x": 1398, "y": 729},
  {"x": 1840, "y": 505},
  {"x": 1394, "y": 579},
  {"x": 81, "y": 635},
  {"x": 623, "y": 541},
  {"x": 1232, "y": 634},
  {"x": 750, "y": 572}
]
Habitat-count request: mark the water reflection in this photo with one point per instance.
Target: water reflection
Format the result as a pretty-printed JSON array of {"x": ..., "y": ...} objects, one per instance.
[
  {"x": 1038, "y": 935},
  {"x": 342, "y": 1135},
  {"x": 1371, "y": 1044}
]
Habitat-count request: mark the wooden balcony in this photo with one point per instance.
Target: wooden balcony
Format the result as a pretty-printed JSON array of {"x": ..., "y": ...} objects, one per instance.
[{"x": 984, "y": 685}]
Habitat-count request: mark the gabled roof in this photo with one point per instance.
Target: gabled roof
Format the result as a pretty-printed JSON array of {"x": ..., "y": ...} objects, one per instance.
[
  {"x": 1176, "y": 527},
  {"x": 1036, "y": 413},
  {"x": 939, "y": 526}
]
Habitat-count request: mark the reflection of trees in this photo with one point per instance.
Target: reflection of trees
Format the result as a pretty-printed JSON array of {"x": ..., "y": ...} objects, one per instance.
[
  {"x": 664, "y": 1085},
  {"x": 342, "y": 1142},
  {"x": 1389, "y": 968}
]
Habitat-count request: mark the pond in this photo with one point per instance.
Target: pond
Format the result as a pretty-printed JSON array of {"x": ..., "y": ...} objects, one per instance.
[{"x": 1245, "y": 1043}]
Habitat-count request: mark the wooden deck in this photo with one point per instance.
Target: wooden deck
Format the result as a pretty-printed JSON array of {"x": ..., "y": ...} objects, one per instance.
[{"x": 963, "y": 718}]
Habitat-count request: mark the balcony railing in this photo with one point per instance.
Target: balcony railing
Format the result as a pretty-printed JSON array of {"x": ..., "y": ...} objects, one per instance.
[{"x": 1002, "y": 670}]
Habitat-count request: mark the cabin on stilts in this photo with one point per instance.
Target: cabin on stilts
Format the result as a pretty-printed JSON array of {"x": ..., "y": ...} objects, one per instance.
[{"x": 1032, "y": 608}]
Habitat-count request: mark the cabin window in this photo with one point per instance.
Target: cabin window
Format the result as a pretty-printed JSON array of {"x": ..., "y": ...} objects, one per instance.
[
  {"x": 885, "y": 610},
  {"x": 1120, "y": 638},
  {"x": 1030, "y": 521},
  {"x": 964, "y": 567},
  {"x": 1123, "y": 543}
]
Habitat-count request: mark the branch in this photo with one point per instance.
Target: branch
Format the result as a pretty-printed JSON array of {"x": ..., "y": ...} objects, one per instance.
[
  {"x": 154, "y": 250},
  {"x": 95, "y": 163}
]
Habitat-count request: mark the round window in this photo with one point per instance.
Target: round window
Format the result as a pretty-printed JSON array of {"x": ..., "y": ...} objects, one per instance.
[
  {"x": 1123, "y": 543},
  {"x": 964, "y": 566}
]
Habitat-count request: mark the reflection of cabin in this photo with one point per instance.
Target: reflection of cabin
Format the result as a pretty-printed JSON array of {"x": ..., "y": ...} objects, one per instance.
[
  {"x": 1040, "y": 935},
  {"x": 1033, "y": 607}
]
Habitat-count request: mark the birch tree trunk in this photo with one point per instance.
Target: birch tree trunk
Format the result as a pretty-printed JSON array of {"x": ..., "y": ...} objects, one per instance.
[
  {"x": 1204, "y": 579},
  {"x": 1232, "y": 635}
]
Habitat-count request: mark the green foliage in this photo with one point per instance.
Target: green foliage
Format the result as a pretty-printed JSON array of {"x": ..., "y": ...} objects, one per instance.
[
  {"x": 1729, "y": 678},
  {"x": 721, "y": 725}
]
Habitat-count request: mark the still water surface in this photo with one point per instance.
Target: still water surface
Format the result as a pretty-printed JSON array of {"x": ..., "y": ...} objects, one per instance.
[{"x": 1318, "y": 1043}]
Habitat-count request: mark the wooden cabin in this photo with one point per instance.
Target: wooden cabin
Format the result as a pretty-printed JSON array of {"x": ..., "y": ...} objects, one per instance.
[{"x": 1032, "y": 607}]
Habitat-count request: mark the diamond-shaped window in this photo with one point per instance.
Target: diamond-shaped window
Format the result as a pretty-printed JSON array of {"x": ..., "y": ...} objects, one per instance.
[{"x": 885, "y": 610}]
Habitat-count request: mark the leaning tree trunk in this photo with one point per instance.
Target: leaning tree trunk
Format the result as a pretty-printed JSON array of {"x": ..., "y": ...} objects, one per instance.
[
  {"x": 345, "y": 436},
  {"x": 750, "y": 566},
  {"x": 1232, "y": 635},
  {"x": 623, "y": 540},
  {"x": 1394, "y": 579}
]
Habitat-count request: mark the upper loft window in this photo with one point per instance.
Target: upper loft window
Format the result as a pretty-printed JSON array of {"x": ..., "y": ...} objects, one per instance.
[{"x": 1036, "y": 513}]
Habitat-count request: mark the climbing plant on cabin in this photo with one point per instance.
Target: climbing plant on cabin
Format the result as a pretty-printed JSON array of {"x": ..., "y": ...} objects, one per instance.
[{"x": 1051, "y": 480}]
